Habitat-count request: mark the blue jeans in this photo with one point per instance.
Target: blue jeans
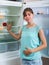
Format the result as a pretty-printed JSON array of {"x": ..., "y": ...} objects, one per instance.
[{"x": 32, "y": 62}]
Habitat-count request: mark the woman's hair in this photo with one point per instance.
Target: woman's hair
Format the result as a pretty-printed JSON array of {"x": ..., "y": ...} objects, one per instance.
[{"x": 27, "y": 9}]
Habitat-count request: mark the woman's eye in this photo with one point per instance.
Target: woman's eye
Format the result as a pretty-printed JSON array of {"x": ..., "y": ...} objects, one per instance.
[
  {"x": 25, "y": 15},
  {"x": 29, "y": 14}
]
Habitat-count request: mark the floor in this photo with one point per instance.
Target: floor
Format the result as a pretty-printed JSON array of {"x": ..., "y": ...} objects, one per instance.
[{"x": 45, "y": 61}]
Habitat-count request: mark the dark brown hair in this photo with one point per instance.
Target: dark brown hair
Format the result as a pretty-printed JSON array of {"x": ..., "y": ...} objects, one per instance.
[{"x": 27, "y": 9}]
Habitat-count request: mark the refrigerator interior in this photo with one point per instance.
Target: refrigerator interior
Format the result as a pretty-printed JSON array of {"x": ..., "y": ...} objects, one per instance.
[
  {"x": 11, "y": 16},
  {"x": 10, "y": 13}
]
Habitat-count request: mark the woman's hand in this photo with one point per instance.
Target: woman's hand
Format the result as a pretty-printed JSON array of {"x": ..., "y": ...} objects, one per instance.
[
  {"x": 9, "y": 26},
  {"x": 27, "y": 51}
]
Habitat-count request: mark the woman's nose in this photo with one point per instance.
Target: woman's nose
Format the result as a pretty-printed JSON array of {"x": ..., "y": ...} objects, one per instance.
[{"x": 27, "y": 16}]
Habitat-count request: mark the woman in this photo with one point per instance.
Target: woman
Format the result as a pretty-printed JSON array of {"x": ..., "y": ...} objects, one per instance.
[{"x": 30, "y": 35}]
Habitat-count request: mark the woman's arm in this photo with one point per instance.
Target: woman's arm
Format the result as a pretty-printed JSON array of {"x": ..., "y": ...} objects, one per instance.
[
  {"x": 44, "y": 43},
  {"x": 42, "y": 46},
  {"x": 16, "y": 36}
]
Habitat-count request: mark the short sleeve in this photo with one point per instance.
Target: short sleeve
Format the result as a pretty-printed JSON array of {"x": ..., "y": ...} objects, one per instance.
[{"x": 39, "y": 28}]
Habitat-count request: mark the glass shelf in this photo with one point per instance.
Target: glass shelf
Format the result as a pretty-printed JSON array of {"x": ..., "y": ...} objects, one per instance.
[
  {"x": 4, "y": 34},
  {"x": 10, "y": 42}
]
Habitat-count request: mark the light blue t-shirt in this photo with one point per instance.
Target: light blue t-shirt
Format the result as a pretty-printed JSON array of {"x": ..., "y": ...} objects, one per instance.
[{"x": 30, "y": 39}]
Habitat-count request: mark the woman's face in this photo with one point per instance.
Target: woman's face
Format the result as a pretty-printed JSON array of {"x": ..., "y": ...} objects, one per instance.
[{"x": 29, "y": 16}]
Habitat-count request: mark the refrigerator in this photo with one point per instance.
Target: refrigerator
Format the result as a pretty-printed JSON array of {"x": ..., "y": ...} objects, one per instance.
[{"x": 11, "y": 13}]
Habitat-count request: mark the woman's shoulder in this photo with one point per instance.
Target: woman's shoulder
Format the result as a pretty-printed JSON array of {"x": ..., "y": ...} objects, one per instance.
[{"x": 38, "y": 27}]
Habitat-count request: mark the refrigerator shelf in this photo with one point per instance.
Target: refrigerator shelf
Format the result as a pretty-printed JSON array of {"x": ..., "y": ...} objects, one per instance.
[
  {"x": 3, "y": 33},
  {"x": 10, "y": 42},
  {"x": 10, "y": 15}
]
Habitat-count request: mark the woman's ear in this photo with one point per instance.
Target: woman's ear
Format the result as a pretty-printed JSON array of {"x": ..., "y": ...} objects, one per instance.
[{"x": 33, "y": 14}]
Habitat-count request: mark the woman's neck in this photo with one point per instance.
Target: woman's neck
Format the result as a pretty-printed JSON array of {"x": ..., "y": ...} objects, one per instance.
[{"x": 31, "y": 24}]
